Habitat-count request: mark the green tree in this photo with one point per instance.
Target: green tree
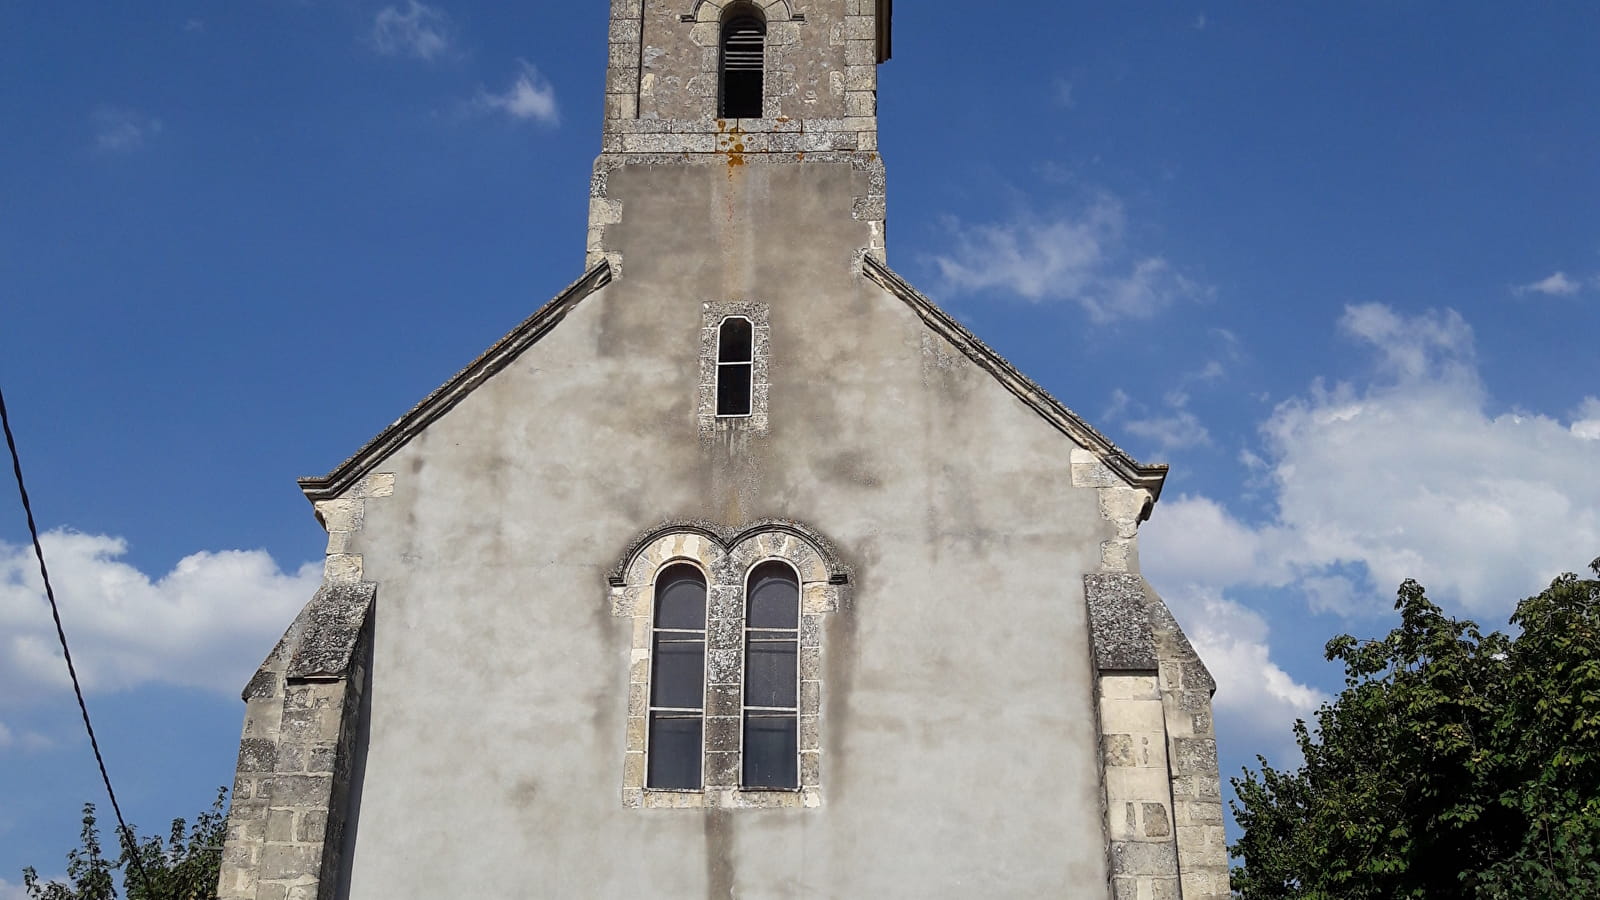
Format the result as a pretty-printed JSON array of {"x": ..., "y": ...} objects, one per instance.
[
  {"x": 183, "y": 866},
  {"x": 1453, "y": 764}
]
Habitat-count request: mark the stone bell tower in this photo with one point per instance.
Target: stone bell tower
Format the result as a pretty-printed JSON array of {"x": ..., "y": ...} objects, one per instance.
[{"x": 738, "y": 85}]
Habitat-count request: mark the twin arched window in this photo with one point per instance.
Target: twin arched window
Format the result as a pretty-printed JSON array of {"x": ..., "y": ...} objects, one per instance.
[
  {"x": 770, "y": 705},
  {"x": 743, "y": 62}
]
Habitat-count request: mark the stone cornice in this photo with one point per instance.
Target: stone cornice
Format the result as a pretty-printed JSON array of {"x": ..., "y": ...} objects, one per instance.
[
  {"x": 451, "y": 392},
  {"x": 1139, "y": 475}
]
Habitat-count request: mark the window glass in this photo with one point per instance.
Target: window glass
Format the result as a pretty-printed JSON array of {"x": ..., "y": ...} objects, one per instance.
[
  {"x": 674, "y": 751},
  {"x": 774, "y": 600},
  {"x": 680, "y": 670},
  {"x": 677, "y": 679},
  {"x": 771, "y": 678},
  {"x": 735, "y": 346},
  {"x": 771, "y": 757},
  {"x": 681, "y": 598}
]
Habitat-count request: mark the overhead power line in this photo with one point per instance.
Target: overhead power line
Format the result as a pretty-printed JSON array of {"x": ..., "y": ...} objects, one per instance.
[{"x": 131, "y": 847}]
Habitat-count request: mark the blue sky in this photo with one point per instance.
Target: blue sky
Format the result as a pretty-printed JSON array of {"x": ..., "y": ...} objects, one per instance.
[{"x": 1338, "y": 264}]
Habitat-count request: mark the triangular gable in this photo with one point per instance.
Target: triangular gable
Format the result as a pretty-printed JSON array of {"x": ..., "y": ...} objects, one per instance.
[
  {"x": 1136, "y": 474},
  {"x": 456, "y": 389},
  {"x": 498, "y": 356}
]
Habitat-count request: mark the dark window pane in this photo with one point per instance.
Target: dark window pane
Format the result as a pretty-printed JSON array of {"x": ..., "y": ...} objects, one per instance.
[
  {"x": 743, "y": 59},
  {"x": 679, "y": 676},
  {"x": 674, "y": 752},
  {"x": 770, "y": 757},
  {"x": 681, "y": 598},
  {"x": 774, "y": 597},
  {"x": 734, "y": 343},
  {"x": 769, "y": 672},
  {"x": 733, "y": 390}
]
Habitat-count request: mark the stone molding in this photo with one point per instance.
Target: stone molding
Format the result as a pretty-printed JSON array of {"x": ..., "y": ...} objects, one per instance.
[{"x": 726, "y": 558}]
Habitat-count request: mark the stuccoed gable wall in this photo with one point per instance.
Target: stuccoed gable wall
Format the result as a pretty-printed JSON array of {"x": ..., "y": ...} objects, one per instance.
[{"x": 959, "y": 747}]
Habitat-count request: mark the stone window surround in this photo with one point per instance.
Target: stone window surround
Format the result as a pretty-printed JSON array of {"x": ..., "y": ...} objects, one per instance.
[
  {"x": 714, "y": 313},
  {"x": 726, "y": 565}
]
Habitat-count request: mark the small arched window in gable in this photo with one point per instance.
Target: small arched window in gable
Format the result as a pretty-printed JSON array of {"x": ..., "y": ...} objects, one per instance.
[
  {"x": 677, "y": 679},
  {"x": 735, "y": 366},
  {"x": 772, "y": 678},
  {"x": 744, "y": 51}
]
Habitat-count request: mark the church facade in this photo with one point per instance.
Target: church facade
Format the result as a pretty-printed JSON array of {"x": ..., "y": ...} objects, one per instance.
[{"x": 739, "y": 569}]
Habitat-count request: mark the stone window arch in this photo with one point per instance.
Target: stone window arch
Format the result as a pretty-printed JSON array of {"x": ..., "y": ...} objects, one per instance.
[{"x": 729, "y": 559}]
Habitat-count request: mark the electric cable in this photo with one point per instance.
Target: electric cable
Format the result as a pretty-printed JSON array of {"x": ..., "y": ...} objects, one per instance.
[{"x": 130, "y": 847}]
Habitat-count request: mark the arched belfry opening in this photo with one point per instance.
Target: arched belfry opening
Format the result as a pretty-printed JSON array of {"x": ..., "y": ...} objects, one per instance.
[{"x": 743, "y": 62}]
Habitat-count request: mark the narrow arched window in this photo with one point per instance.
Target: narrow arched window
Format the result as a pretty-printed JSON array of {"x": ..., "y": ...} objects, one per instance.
[
  {"x": 772, "y": 678},
  {"x": 677, "y": 679},
  {"x": 735, "y": 366},
  {"x": 744, "y": 50}
]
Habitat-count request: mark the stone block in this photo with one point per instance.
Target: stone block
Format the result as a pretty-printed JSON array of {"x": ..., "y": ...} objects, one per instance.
[
  {"x": 1154, "y": 816},
  {"x": 301, "y": 790},
  {"x": 1198, "y": 755},
  {"x": 1133, "y": 717},
  {"x": 861, "y": 103},
  {"x": 1129, "y": 687},
  {"x": 285, "y": 862},
  {"x": 280, "y": 826},
  {"x": 342, "y": 567},
  {"x": 1140, "y": 858},
  {"x": 1136, "y": 785}
]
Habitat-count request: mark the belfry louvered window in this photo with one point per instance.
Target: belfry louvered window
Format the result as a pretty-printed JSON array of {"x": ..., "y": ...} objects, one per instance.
[
  {"x": 677, "y": 679},
  {"x": 772, "y": 678},
  {"x": 735, "y": 366},
  {"x": 744, "y": 51}
]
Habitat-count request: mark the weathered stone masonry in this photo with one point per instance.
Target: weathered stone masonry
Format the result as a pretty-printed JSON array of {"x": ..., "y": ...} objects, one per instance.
[
  {"x": 1159, "y": 750},
  {"x": 286, "y": 824}
]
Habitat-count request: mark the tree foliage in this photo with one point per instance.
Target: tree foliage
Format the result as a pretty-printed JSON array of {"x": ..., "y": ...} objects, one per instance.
[
  {"x": 182, "y": 866},
  {"x": 1454, "y": 764}
]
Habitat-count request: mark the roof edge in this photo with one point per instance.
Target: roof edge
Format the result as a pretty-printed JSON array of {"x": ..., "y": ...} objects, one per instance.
[
  {"x": 1150, "y": 476},
  {"x": 453, "y": 391}
]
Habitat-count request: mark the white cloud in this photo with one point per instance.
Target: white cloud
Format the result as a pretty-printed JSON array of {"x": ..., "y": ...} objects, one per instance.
[
  {"x": 420, "y": 31},
  {"x": 1079, "y": 257},
  {"x": 1407, "y": 475},
  {"x": 1256, "y": 698},
  {"x": 208, "y": 623},
  {"x": 529, "y": 98},
  {"x": 1171, "y": 431},
  {"x": 9, "y": 891},
  {"x": 122, "y": 130},
  {"x": 1174, "y": 426},
  {"x": 1557, "y": 285}
]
